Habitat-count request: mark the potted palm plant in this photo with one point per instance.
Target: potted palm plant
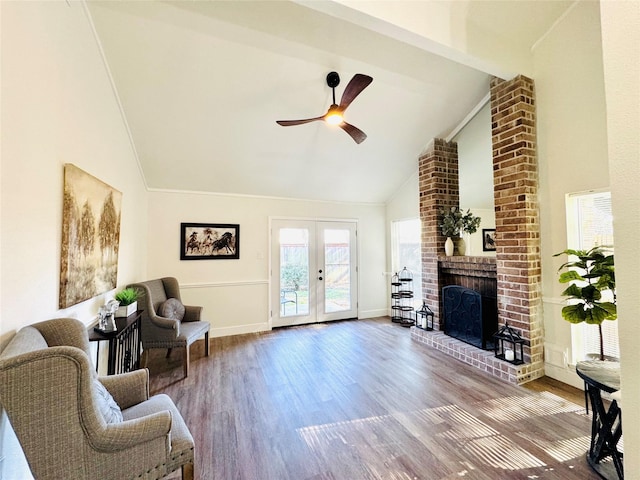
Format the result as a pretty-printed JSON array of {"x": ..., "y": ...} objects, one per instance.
[
  {"x": 128, "y": 299},
  {"x": 591, "y": 275}
]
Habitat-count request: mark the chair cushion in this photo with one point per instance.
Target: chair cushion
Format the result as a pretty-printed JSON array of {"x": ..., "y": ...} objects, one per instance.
[
  {"x": 182, "y": 444},
  {"x": 106, "y": 404},
  {"x": 28, "y": 339},
  {"x": 172, "y": 308}
]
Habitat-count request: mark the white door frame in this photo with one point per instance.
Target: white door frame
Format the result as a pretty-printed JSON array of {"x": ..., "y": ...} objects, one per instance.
[{"x": 274, "y": 307}]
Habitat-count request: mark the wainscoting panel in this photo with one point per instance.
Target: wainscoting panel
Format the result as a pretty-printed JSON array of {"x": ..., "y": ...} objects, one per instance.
[{"x": 231, "y": 307}]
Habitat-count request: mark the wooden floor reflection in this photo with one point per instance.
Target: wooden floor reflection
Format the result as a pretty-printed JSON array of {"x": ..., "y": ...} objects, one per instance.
[{"x": 359, "y": 400}]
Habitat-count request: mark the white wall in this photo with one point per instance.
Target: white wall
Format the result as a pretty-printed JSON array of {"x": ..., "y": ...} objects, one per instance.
[
  {"x": 475, "y": 168},
  {"x": 475, "y": 161},
  {"x": 443, "y": 28},
  {"x": 235, "y": 293},
  {"x": 621, "y": 42},
  {"x": 572, "y": 154},
  {"x": 475, "y": 164},
  {"x": 57, "y": 107},
  {"x": 403, "y": 205}
]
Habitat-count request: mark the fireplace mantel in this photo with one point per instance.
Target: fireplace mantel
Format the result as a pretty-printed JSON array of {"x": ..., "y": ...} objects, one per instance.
[{"x": 468, "y": 266}]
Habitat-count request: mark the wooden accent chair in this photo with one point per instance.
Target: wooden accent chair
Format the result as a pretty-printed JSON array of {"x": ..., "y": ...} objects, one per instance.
[
  {"x": 166, "y": 323},
  {"x": 73, "y": 424}
]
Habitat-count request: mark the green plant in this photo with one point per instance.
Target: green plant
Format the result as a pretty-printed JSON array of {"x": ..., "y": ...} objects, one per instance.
[
  {"x": 127, "y": 296},
  {"x": 589, "y": 276},
  {"x": 293, "y": 275},
  {"x": 470, "y": 222},
  {"x": 455, "y": 221}
]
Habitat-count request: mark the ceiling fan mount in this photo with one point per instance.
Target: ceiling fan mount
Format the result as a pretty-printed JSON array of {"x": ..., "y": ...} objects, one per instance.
[
  {"x": 334, "y": 115},
  {"x": 333, "y": 79}
]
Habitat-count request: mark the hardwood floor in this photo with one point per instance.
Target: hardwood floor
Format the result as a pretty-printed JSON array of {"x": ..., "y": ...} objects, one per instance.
[{"x": 358, "y": 400}]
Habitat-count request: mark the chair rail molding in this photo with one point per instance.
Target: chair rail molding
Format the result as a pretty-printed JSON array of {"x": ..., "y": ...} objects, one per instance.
[{"x": 243, "y": 283}]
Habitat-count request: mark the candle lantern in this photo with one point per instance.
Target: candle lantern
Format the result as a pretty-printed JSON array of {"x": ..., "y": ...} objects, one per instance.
[
  {"x": 424, "y": 318},
  {"x": 509, "y": 345}
]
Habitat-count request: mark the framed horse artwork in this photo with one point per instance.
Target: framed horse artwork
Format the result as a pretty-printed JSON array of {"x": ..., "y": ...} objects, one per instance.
[{"x": 209, "y": 241}]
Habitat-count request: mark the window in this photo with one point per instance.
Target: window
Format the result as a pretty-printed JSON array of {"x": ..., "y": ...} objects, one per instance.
[
  {"x": 405, "y": 244},
  {"x": 589, "y": 224}
]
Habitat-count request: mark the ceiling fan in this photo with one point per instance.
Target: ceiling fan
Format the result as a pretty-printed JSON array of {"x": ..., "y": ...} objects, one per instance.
[{"x": 334, "y": 115}]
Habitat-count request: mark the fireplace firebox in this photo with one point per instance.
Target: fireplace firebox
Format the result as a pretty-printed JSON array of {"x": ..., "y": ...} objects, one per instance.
[{"x": 469, "y": 316}]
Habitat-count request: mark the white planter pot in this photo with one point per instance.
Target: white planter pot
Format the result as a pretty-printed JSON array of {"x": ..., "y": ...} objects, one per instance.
[
  {"x": 126, "y": 310},
  {"x": 596, "y": 357},
  {"x": 448, "y": 247}
]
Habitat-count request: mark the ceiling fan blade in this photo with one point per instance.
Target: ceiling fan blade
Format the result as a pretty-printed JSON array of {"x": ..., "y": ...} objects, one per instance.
[
  {"x": 289, "y": 123},
  {"x": 356, "y": 85},
  {"x": 358, "y": 135}
]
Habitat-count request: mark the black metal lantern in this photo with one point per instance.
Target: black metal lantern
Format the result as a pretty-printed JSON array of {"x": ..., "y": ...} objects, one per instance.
[
  {"x": 424, "y": 318},
  {"x": 509, "y": 345}
]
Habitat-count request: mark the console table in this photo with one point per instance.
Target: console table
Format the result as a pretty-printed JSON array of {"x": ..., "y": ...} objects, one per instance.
[
  {"x": 124, "y": 344},
  {"x": 606, "y": 424}
]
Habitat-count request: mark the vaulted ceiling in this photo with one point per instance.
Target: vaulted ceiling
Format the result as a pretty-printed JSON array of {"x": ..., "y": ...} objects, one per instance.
[{"x": 202, "y": 84}]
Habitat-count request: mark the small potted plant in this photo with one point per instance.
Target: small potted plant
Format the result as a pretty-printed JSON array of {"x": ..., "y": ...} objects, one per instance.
[
  {"x": 128, "y": 299},
  {"x": 470, "y": 224},
  {"x": 592, "y": 274},
  {"x": 455, "y": 223}
]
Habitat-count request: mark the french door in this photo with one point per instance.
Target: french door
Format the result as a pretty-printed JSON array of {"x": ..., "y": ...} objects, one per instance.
[{"x": 313, "y": 274}]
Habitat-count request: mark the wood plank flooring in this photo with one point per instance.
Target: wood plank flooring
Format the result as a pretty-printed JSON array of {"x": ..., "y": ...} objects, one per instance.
[{"x": 359, "y": 400}]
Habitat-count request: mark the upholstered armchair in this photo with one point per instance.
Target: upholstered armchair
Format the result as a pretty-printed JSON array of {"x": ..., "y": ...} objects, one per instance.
[
  {"x": 73, "y": 424},
  {"x": 166, "y": 322}
]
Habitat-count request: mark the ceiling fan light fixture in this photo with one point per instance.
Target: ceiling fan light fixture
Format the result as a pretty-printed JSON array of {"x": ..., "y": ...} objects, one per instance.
[{"x": 333, "y": 116}]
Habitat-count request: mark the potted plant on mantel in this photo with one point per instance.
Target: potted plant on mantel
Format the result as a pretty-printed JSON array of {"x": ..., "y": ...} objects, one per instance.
[
  {"x": 128, "y": 299},
  {"x": 592, "y": 274},
  {"x": 455, "y": 222}
]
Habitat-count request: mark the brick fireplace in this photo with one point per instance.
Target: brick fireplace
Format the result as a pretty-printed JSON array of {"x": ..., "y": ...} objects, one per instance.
[{"x": 516, "y": 266}]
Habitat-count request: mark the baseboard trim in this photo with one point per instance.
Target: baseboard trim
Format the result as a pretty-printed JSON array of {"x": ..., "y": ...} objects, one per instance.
[
  {"x": 239, "y": 330},
  {"x": 381, "y": 312},
  {"x": 566, "y": 375}
]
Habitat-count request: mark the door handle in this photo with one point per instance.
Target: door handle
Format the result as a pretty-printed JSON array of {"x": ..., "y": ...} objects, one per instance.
[
  {"x": 319, "y": 278},
  {"x": 320, "y": 271}
]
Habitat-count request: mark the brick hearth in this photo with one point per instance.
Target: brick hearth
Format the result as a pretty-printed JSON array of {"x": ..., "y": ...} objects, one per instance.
[{"x": 482, "y": 359}]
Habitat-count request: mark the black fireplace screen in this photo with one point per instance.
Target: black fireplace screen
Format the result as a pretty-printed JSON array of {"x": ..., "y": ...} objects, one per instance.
[{"x": 469, "y": 316}]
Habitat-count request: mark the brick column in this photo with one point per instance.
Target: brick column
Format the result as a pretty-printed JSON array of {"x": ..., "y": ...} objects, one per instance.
[
  {"x": 515, "y": 174},
  {"x": 439, "y": 187}
]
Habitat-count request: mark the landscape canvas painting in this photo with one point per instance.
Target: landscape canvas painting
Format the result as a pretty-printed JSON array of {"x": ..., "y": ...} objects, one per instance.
[{"x": 91, "y": 212}]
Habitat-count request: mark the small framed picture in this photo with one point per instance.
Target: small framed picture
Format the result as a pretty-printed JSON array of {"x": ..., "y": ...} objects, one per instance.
[
  {"x": 488, "y": 239},
  {"x": 209, "y": 241}
]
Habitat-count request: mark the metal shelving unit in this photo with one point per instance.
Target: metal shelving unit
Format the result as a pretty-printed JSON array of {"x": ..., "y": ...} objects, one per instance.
[{"x": 401, "y": 298}]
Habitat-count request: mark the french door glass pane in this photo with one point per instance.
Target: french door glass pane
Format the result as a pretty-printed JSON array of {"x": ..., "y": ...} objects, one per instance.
[
  {"x": 294, "y": 272},
  {"x": 337, "y": 275}
]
